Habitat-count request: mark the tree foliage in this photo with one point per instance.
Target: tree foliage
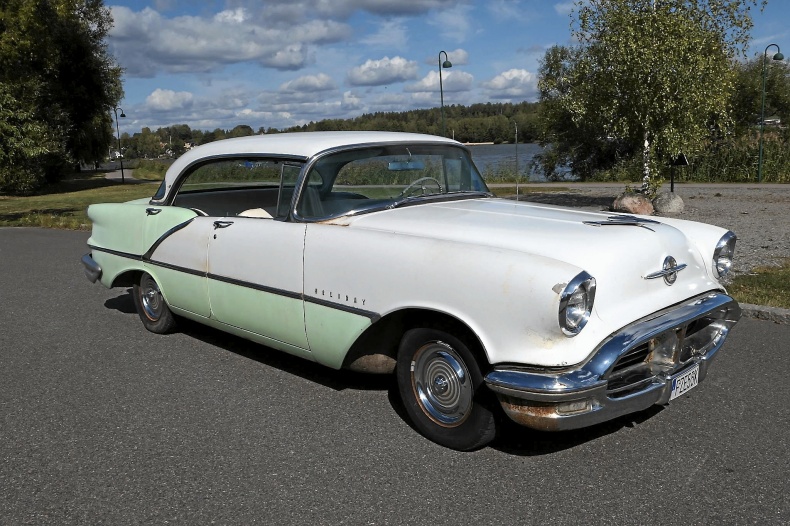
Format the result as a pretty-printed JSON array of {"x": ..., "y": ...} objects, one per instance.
[
  {"x": 747, "y": 96},
  {"x": 58, "y": 83},
  {"x": 648, "y": 80}
]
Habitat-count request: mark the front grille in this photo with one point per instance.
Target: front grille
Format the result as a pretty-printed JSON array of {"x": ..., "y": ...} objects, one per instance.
[{"x": 638, "y": 367}]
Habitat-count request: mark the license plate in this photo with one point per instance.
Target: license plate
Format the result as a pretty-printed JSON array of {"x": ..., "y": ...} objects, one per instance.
[{"x": 685, "y": 382}]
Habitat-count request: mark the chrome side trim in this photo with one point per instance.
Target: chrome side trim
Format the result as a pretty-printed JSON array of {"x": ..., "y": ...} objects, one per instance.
[
  {"x": 118, "y": 253},
  {"x": 530, "y": 396},
  {"x": 92, "y": 269},
  {"x": 374, "y": 316},
  {"x": 168, "y": 233},
  {"x": 255, "y": 286}
]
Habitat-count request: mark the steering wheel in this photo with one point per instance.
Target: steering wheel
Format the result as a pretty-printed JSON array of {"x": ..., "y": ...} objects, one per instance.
[{"x": 419, "y": 182}]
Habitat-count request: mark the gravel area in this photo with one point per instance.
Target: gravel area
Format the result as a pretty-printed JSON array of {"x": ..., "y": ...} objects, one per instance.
[{"x": 759, "y": 215}]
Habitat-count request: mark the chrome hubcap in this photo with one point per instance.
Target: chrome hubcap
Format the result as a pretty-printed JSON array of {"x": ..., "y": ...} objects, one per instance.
[
  {"x": 151, "y": 298},
  {"x": 442, "y": 384}
]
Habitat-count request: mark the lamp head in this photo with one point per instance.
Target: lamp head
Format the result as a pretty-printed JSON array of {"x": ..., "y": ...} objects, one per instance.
[
  {"x": 123, "y": 114},
  {"x": 779, "y": 56},
  {"x": 447, "y": 64}
]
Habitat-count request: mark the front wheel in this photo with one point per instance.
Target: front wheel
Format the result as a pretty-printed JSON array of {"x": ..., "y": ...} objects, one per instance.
[
  {"x": 150, "y": 304},
  {"x": 442, "y": 390}
]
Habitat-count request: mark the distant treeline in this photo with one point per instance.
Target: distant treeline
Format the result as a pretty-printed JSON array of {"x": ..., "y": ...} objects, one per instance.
[{"x": 489, "y": 122}]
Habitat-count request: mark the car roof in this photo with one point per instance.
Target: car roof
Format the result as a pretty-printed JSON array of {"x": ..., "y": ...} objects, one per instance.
[{"x": 294, "y": 145}]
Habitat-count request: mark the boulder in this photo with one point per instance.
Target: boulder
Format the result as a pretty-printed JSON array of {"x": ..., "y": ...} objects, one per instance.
[
  {"x": 632, "y": 203},
  {"x": 668, "y": 203}
]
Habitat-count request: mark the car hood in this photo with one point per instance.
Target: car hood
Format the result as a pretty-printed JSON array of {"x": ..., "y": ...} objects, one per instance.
[{"x": 618, "y": 256}]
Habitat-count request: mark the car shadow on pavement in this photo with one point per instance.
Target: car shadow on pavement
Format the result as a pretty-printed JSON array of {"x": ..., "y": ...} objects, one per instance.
[
  {"x": 514, "y": 439},
  {"x": 337, "y": 380}
]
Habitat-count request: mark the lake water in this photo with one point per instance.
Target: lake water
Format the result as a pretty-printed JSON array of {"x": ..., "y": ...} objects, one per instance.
[{"x": 493, "y": 156}]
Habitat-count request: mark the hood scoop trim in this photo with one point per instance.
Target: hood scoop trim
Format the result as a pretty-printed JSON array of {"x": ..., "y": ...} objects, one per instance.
[{"x": 624, "y": 220}]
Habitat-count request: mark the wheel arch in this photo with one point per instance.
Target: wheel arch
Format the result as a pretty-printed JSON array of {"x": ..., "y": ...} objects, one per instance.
[
  {"x": 127, "y": 278},
  {"x": 376, "y": 349}
]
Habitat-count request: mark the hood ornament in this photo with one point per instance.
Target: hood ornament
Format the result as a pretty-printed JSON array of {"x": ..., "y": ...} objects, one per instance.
[{"x": 669, "y": 271}]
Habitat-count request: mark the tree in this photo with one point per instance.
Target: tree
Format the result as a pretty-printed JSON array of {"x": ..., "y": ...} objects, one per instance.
[
  {"x": 648, "y": 80},
  {"x": 55, "y": 68},
  {"x": 747, "y": 96}
]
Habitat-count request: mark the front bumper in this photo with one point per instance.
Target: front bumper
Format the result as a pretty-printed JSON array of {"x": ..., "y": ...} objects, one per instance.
[
  {"x": 630, "y": 371},
  {"x": 92, "y": 269}
]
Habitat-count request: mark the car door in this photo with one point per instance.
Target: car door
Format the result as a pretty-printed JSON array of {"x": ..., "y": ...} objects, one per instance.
[
  {"x": 255, "y": 273},
  {"x": 176, "y": 244}
]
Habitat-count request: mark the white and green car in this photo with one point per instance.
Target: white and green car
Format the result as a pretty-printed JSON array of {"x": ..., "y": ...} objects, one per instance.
[{"x": 386, "y": 253}]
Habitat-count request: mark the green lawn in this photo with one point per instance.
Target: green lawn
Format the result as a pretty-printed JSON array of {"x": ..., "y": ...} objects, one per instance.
[
  {"x": 768, "y": 286},
  {"x": 64, "y": 204}
]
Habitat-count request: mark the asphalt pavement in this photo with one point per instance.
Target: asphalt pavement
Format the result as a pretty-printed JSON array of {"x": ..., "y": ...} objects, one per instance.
[{"x": 102, "y": 422}]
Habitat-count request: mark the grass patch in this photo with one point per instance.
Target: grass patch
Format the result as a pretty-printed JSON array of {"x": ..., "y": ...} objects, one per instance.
[
  {"x": 768, "y": 286},
  {"x": 63, "y": 204},
  {"x": 151, "y": 170}
]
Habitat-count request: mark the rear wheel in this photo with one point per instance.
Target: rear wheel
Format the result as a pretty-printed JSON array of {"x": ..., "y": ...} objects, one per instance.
[
  {"x": 154, "y": 312},
  {"x": 442, "y": 390}
]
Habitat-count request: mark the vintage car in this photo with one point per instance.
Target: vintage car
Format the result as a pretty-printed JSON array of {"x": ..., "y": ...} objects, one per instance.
[{"x": 386, "y": 253}]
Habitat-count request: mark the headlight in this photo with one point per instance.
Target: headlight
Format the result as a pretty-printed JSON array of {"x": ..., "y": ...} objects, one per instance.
[
  {"x": 576, "y": 303},
  {"x": 723, "y": 254}
]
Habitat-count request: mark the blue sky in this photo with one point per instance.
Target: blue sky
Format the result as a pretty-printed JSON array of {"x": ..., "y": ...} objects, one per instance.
[{"x": 279, "y": 63}]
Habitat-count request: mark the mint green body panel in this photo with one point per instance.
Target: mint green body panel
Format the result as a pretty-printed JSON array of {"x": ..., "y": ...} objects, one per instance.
[
  {"x": 332, "y": 332},
  {"x": 113, "y": 266},
  {"x": 247, "y": 335},
  {"x": 118, "y": 226},
  {"x": 279, "y": 317},
  {"x": 182, "y": 290},
  {"x": 283, "y": 322}
]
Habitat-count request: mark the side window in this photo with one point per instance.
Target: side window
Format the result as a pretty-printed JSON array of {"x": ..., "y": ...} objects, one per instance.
[
  {"x": 245, "y": 187},
  {"x": 290, "y": 175}
]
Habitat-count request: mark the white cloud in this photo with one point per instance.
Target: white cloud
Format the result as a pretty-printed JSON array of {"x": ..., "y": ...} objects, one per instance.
[
  {"x": 168, "y": 100},
  {"x": 458, "y": 57},
  {"x": 451, "y": 81},
  {"x": 309, "y": 84},
  {"x": 146, "y": 42},
  {"x": 391, "y": 34},
  {"x": 351, "y": 102},
  {"x": 235, "y": 16},
  {"x": 513, "y": 83},
  {"x": 453, "y": 23},
  {"x": 384, "y": 71}
]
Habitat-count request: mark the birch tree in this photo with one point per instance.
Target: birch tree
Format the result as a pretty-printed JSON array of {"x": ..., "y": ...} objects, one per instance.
[{"x": 649, "y": 79}]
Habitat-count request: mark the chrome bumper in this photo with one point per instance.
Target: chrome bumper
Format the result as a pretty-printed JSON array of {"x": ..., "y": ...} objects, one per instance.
[
  {"x": 630, "y": 371},
  {"x": 92, "y": 269}
]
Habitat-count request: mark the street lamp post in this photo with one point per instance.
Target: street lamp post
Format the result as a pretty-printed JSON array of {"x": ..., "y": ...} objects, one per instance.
[
  {"x": 777, "y": 56},
  {"x": 118, "y": 135},
  {"x": 515, "y": 143},
  {"x": 445, "y": 64}
]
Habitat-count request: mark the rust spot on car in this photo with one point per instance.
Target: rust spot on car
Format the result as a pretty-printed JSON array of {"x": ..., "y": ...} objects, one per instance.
[
  {"x": 535, "y": 415},
  {"x": 337, "y": 221}
]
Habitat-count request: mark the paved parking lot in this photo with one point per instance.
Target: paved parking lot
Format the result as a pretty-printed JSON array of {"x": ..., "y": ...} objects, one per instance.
[{"x": 102, "y": 422}]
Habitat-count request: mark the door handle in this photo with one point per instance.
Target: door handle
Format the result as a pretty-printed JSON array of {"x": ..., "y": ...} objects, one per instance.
[
  {"x": 222, "y": 224},
  {"x": 152, "y": 211}
]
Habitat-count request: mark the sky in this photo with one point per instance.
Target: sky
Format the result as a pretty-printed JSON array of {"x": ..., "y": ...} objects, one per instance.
[{"x": 281, "y": 63}]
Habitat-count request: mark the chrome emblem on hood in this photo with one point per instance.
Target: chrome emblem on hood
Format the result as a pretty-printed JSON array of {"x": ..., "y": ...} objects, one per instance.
[{"x": 669, "y": 271}]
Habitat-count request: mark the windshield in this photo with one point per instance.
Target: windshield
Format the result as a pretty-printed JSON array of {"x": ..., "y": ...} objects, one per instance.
[{"x": 387, "y": 176}]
